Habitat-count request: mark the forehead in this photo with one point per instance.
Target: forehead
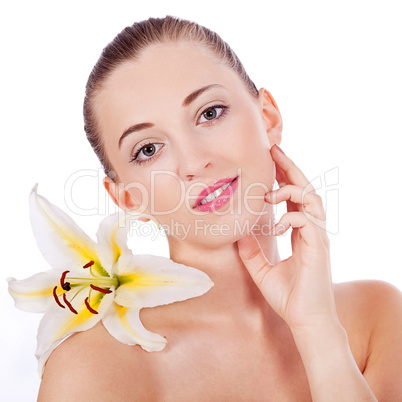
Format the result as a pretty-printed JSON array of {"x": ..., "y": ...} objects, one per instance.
[
  {"x": 165, "y": 73},
  {"x": 169, "y": 64}
]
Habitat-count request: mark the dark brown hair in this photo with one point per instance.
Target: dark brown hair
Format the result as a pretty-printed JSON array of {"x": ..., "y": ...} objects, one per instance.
[{"x": 129, "y": 44}]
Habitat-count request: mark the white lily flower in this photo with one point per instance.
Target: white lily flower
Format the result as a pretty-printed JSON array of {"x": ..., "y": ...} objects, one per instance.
[{"x": 92, "y": 282}]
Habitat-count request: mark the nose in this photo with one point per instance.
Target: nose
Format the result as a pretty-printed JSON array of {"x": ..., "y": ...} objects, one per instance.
[{"x": 192, "y": 161}]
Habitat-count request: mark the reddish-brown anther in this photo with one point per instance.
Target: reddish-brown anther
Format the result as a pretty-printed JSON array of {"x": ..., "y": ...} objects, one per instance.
[
  {"x": 72, "y": 309},
  {"x": 100, "y": 289},
  {"x": 89, "y": 307},
  {"x": 57, "y": 298},
  {"x": 65, "y": 285},
  {"x": 89, "y": 264}
]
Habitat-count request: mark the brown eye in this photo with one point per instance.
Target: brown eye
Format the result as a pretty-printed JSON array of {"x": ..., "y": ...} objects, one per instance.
[
  {"x": 146, "y": 153},
  {"x": 149, "y": 150},
  {"x": 210, "y": 113}
]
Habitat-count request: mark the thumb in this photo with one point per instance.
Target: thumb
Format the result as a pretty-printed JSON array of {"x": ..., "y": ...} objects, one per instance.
[{"x": 253, "y": 258}]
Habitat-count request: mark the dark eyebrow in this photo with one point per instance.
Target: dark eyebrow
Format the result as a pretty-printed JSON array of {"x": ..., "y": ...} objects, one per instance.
[
  {"x": 194, "y": 95},
  {"x": 132, "y": 129},
  {"x": 189, "y": 99}
]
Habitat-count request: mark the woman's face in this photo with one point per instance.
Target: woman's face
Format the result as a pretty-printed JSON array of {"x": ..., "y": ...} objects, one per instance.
[{"x": 177, "y": 121}]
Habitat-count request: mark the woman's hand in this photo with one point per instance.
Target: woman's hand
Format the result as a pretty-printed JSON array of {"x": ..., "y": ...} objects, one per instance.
[{"x": 298, "y": 288}]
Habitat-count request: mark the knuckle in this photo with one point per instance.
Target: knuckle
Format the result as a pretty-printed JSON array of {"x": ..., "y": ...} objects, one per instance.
[
  {"x": 313, "y": 199},
  {"x": 309, "y": 188},
  {"x": 318, "y": 198}
]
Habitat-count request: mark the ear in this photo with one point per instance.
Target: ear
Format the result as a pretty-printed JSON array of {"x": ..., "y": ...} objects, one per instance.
[
  {"x": 271, "y": 117},
  {"x": 121, "y": 197}
]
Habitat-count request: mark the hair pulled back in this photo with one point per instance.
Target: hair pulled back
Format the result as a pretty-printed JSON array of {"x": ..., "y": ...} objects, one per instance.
[{"x": 128, "y": 45}]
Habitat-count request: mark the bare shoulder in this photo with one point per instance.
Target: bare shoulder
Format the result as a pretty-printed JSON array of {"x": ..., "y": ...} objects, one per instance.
[
  {"x": 371, "y": 312},
  {"x": 91, "y": 365},
  {"x": 370, "y": 301},
  {"x": 366, "y": 293}
]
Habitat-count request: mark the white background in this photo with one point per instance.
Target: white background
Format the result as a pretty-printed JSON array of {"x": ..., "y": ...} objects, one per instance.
[{"x": 334, "y": 69}]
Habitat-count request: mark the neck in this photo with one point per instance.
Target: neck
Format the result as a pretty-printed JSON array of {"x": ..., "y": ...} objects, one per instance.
[{"x": 233, "y": 288}]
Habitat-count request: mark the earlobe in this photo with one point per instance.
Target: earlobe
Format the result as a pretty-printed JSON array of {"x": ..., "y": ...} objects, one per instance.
[
  {"x": 121, "y": 197},
  {"x": 271, "y": 116},
  {"x": 111, "y": 188}
]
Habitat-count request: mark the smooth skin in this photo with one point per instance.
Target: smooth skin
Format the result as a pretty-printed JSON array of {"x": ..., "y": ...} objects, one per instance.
[
  {"x": 300, "y": 290},
  {"x": 269, "y": 330}
]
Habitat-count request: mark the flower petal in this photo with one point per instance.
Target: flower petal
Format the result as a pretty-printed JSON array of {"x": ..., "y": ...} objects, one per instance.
[
  {"x": 112, "y": 236},
  {"x": 35, "y": 293},
  {"x": 57, "y": 324},
  {"x": 61, "y": 241},
  {"x": 124, "y": 325},
  {"x": 149, "y": 281}
]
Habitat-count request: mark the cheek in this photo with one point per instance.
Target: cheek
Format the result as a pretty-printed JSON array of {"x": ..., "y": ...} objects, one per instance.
[
  {"x": 251, "y": 145},
  {"x": 158, "y": 194},
  {"x": 254, "y": 158},
  {"x": 247, "y": 136},
  {"x": 167, "y": 193},
  {"x": 256, "y": 142}
]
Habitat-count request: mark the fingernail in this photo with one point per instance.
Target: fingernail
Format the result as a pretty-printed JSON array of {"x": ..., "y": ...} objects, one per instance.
[
  {"x": 270, "y": 195},
  {"x": 279, "y": 149},
  {"x": 273, "y": 231},
  {"x": 278, "y": 230}
]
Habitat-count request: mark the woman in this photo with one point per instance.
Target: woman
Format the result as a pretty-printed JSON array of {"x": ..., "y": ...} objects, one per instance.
[{"x": 173, "y": 117}]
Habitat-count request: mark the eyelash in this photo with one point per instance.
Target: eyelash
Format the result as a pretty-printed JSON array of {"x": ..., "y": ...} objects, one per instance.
[
  {"x": 137, "y": 161},
  {"x": 224, "y": 108}
]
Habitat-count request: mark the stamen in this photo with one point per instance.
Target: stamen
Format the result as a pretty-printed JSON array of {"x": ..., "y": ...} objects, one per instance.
[
  {"x": 56, "y": 297},
  {"x": 72, "y": 309},
  {"x": 63, "y": 278},
  {"x": 100, "y": 289},
  {"x": 89, "y": 264},
  {"x": 89, "y": 307}
]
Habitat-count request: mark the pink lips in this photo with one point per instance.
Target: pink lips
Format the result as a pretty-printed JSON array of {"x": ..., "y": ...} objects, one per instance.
[{"x": 219, "y": 201}]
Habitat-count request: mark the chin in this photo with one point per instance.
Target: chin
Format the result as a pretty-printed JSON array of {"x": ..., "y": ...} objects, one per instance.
[{"x": 221, "y": 232}]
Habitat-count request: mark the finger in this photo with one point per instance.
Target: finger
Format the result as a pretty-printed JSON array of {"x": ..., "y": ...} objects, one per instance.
[
  {"x": 253, "y": 258},
  {"x": 291, "y": 172},
  {"x": 309, "y": 202},
  {"x": 280, "y": 176},
  {"x": 282, "y": 181},
  {"x": 307, "y": 224}
]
